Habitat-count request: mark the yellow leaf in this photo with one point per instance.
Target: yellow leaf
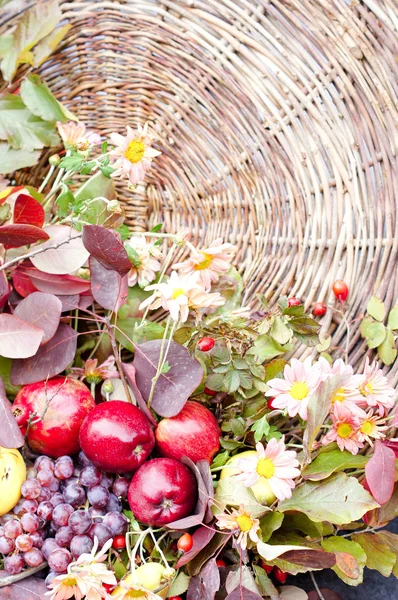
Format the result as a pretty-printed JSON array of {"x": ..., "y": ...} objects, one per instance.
[{"x": 48, "y": 44}]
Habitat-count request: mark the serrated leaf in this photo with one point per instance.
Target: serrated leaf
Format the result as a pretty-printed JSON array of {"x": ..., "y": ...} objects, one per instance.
[
  {"x": 393, "y": 318},
  {"x": 304, "y": 325},
  {"x": 273, "y": 368},
  {"x": 265, "y": 348},
  {"x": 215, "y": 382},
  {"x": 330, "y": 462},
  {"x": 238, "y": 426},
  {"x": 246, "y": 380},
  {"x": 232, "y": 381},
  {"x": 387, "y": 351},
  {"x": 265, "y": 584},
  {"x": 280, "y": 331},
  {"x": 221, "y": 354},
  {"x": 376, "y": 333},
  {"x": 376, "y": 308},
  {"x": 260, "y": 428},
  {"x": 379, "y": 557},
  {"x": 11, "y": 160},
  {"x": 64, "y": 201}
]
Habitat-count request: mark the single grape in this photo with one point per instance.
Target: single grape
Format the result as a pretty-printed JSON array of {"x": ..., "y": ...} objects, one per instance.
[
  {"x": 13, "y": 529},
  {"x": 90, "y": 476},
  {"x": 5, "y": 518},
  {"x": 56, "y": 499},
  {"x": 121, "y": 487},
  {"x": 49, "y": 545},
  {"x": 64, "y": 467},
  {"x": 98, "y": 496},
  {"x": 81, "y": 544},
  {"x": 37, "y": 539},
  {"x": 83, "y": 460},
  {"x": 45, "y": 511},
  {"x": 45, "y": 495},
  {"x": 7, "y": 545},
  {"x": 45, "y": 477},
  {"x": 52, "y": 529},
  {"x": 31, "y": 473},
  {"x": 54, "y": 486},
  {"x": 33, "y": 557},
  {"x": 30, "y": 522},
  {"x": 31, "y": 489},
  {"x": 97, "y": 514},
  {"x": 100, "y": 531},
  {"x": 61, "y": 514},
  {"x": 14, "y": 564},
  {"x": 30, "y": 506},
  {"x": 59, "y": 560},
  {"x": 75, "y": 495},
  {"x": 107, "y": 480},
  {"x": 114, "y": 504},
  {"x": 116, "y": 522},
  {"x": 80, "y": 522},
  {"x": 44, "y": 462},
  {"x": 18, "y": 509},
  {"x": 24, "y": 542},
  {"x": 64, "y": 536}
]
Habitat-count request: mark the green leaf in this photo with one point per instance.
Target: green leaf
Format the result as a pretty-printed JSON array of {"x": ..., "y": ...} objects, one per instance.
[
  {"x": 230, "y": 444},
  {"x": 119, "y": 569},
  {"x": 379, "y": 557},
  {"x": 230, "y": 286},
  {"x": 391, "y": 539},
  {"x": 246, "y": 380},
  {"x": 342, "y": 546},
  {"x": 339, "y": 500},
  {"x": 11, "y": 160},
  {"x": 260, "y": 428},
  {"x": 48, "y": 44},
  {"x": 366, "y": 322},
  {"x": 215, "y": 382},
  {"x": 280, "y": 331},
  {"x": 376, "y": 308},
  {"x": 388, "y": 511},
  {"x": 149, "y": 331},
  {"x": 182, "y": 335},
  {"x": 274, "y": 368},
  {"x": 265, "y": 348},
  {"x": 221, "y": 354},
  {"x": 387, "y": 351},
  {"x": 300, "y": 522},
  {"x": 330, "y": 462},
  {"x": 265, "y": 584},
  {"x": 107, "y": 171},
  {"x": 304, "y": 325},
  {"x": 5, "y": 43},
  {"x": 41, "y": 102},
  {"x": 231, "y": 381},
  {"x": 72, "y": 163},
  {"x": 238, "y": 426},
  {"x": 64, "y": 201},
  {"x": 324, "y": 344},
  {"x": 220, "y": 459},
  {"x": 295, "y": 311},
  {"x": 393, "y": 318},
  {"x": 269, "y": 523},
  {"x": 376, "y": 333},
  {"x": 179, "y": 585},
  {"x": 5, "y": 213},
  {"x": 96, "y": 186},
  {"x": 231, "y": 493}
]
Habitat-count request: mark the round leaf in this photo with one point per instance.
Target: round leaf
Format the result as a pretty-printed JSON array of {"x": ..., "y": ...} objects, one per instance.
[
  {"x": 42, "y": 310},
  {"x": 69, "y": 255},
  {"x": 18, "y": 339}
]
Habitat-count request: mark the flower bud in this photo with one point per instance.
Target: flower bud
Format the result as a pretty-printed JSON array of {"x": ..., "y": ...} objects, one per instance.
[
  {"x": 54, "y": 160},
  {"x": 107, "y": 387},
  {"x": 113, "y": 206}
]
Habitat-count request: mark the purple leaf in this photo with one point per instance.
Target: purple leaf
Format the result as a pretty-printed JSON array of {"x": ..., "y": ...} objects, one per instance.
[
  {"x": 85, "y": 300},
  {"x": 10, "y": 435},
  {"x": 5, "y": 289},
  {"x": 317, "y": 559},
  {"x": 51, "y": 359},
  {"x": 201, "y": 539},
  {"x": 205, "y": 493},
  {"x": 109, "y": 289},
  {"x": 69, "y": 302},
  {"x": 31, "y": 588},
  {"x": 18, "y": 339},
  {"x": 242, "y": 593},
  {"x": 380, "y": 473},
  {"x": 42, "y": 310},
  {"x": 107, "y": 248},
  {"x": 172, "y": 388},
  {"x": 64, "y": 252},
  {"x": 51, "y": 283},
  {"x": 206, "y": 583},
  {"x": 15, "y": 235},
  {"x": 129, "y": 371}
]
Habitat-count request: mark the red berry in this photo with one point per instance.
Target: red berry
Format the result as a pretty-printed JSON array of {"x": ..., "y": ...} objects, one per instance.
[
  {"x": 108, "y": 587},
  {"x": 220, "y": 562},
  {"x": 206, "y": 344},
  {"x": 175, "y": 598},
  {"x": 185, "y": 543},
  {"x": 280, "y": 575},
  {"x": 293, "y": 302},
  {"x": 319, "y": 309},
  {"x": 119, "y": 542},
  {"x": 267, "y": 568},
  {"x": 209, "y": 392},
  {"x": 340, "y": 290},
  {"x": 270, "y": 403}
]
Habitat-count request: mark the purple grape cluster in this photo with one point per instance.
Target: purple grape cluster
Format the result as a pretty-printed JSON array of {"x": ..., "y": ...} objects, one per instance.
[{"x": 64, "y": 505}]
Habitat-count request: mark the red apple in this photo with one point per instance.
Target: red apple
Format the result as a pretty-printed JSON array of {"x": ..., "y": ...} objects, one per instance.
[
  {"x": 57, "y": 408},
  {"x": 117, "y": 437},
  {"x": 194, "y": 433},
  {"x": 161, "y": 491}
]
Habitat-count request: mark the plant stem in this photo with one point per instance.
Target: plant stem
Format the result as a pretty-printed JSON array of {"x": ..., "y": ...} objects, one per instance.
[
  {"x": 318, "y": 591},
  {"x": 47, "y": 178},
  {"x": 157, "y": 375}
]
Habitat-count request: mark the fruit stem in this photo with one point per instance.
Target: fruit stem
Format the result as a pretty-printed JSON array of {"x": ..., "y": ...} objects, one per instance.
[
  {"x": 158, "y": 548},
  {"x": 132, "y": 554}
]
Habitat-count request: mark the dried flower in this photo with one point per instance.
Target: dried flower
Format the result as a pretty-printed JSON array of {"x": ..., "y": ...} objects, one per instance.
[
  {"x": 75, "y": 136},
  {"x": 133, "y": 153},
  {"x": 93, "y": 373},
  {"x": 145, "y": 258},
  {"x": 273, "y": 463},
  {"x": 172, "y": 296},
  {"x": 242, "y": 523},
  {"x": 209, "y": 262},
  {"x": 374, "y": 389},
  {"x": 345, "y": 429},
  {"x": 293, "y": 392}
]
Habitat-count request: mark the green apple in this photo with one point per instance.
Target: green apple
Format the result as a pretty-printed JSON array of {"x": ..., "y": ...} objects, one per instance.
[{"x": 261, "y": 490}]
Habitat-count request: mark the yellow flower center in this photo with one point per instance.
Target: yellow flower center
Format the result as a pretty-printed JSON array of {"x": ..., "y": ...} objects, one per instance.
[
  {"x": 299, "y": 390},
  {"x": 69, "y": 581},
  {"x": 265, "y": 468},
  {"x": 206, "y": 262},
  {"x": 344, "y": 430},
  {"x": 136, "y": 594},
  {"x": 135, "y": 151},
  {"x": 367, "y": 427},
  {"x": 366, "y": 389},
  {"x": 338, "y": 396},
  {"x": 177, "y": 292},
  {"x": 245, "y": 523}
]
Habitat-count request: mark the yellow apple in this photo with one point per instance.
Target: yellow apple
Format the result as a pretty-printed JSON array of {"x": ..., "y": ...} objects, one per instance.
[
  {"x": 149, "y": 575},
  {"x": 261, "y": 490},
  {"x": 12, "y": 476}
]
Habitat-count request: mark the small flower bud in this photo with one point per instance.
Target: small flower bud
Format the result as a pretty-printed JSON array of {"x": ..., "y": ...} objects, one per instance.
[
  {"x": 113, "y": 206},
  {"x": 107, "y": 387},
  {"x": 169, "y": 574},
  {"x": 54, "y": 160}
]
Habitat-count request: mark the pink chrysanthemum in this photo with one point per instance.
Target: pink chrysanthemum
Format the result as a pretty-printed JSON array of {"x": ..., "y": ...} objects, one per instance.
[
  {"x": 209, "y": 262},
  {"x": 94, "y": 373},
  {"x": 242, "y": 523},
  {"x": 172, "y": 296},
  {"x": 273, "y": 463},
  {"x": 347, "y": 392},
  {"x": 133, "y": 153},
  {"x": 145, "y": 260},
  {"x": 374, "y": 389},
  {"x": 345, "y": 429},
  {"x": 372, "y": 428},
  {"x": 75, "y": 135},
  {"x": 299, "y": 383}
]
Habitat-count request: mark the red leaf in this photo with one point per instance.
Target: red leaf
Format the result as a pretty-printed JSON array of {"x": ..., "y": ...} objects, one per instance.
[
  {"x": 31, "y": 588},
  {"x": 109, "y": 289},
  {"x": 18, "y": 339},
  {"x": 380, "y": 473},
  {"x": 5, "y": 289},
  {"x": 10, "y": 435},
  {"x": 105, "y": 245},
  {"x": 201, "y": 538},
  {"x": 29, "y": 211},
  {"x": 42, "y": 310},
  {"x": 15, "y": 235},
  {"x": 317, "y": 559},
  {"x": 51, "y": 283},
  {"x": 22, "y": 283},
  {"x": 50, "y": 360},
  {"x": 243, "y": 594}
]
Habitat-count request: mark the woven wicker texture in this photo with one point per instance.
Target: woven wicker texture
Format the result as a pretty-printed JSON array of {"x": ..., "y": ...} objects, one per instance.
[{"x": 278, "y": 127}]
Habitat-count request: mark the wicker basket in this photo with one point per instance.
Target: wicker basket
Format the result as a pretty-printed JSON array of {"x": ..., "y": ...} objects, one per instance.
[{"x": 278, "y": 121}]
